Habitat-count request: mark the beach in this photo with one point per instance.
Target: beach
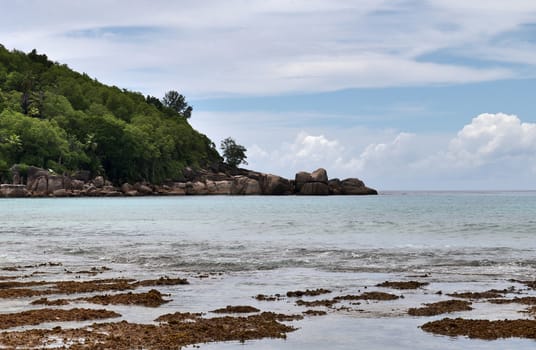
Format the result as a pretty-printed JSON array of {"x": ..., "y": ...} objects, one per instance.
[{"x": 310, "y": 273}]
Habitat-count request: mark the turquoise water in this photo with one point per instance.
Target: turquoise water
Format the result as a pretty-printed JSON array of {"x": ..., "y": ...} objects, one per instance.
[
  {"x": 442, "y": 232},
  {"x": 274, "y": 244}
]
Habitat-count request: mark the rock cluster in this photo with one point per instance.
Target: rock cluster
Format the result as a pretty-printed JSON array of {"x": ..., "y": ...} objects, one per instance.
[{"x": 219, "y": 180}]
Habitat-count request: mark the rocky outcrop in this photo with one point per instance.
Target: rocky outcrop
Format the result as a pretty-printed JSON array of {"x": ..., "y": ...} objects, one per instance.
[
  {"x": 275, "y": 185},
  {"x": 13, "y": 191},
  {"x": 319, "y": 175},
  {"x": 301, "y": 179},
  {"x": 243, "y": 185},
  {"x": 315, "y": 189},
  {"x": 312, "y": 184},
  {"x": 350, "y": 187},
  {"x": 217, "y": 180}
]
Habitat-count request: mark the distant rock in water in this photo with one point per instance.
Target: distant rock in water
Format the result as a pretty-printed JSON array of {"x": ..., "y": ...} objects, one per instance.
[
  {"x": 219, "y": 179},
  {"x": 317, "y": 183}
]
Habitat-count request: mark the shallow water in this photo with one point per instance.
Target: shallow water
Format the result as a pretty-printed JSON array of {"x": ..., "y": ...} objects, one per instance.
[{"x": 275, "y": 244}]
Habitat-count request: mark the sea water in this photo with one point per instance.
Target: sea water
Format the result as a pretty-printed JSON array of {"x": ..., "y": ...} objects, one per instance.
[{"x": 262, "y": 244}]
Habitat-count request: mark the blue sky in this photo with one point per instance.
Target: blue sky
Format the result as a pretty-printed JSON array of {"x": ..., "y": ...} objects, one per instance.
[{"x": 404, "y": 94}]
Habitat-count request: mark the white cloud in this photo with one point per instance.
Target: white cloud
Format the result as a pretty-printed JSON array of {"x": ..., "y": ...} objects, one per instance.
[
  {"x": 306, "y": 152},
  {"x": 493, "y": 138},
  {"x": 314, "y": 148},
  {"x": 268, "y": 47},
  {"x": 257, "y": 152},
  {"x": 401, "y": 150},
  {"x": 493, "y": 151}
]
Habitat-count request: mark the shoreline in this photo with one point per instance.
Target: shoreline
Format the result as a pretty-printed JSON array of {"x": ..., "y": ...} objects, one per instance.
[{"x": 37, "y": 182}]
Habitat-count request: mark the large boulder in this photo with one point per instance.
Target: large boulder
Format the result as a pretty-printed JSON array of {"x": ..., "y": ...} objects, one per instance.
[
  {"x": 253, "y": 188},
  {"x": 315, "y": 183},
  {"x": 177, "y": 188},
  {"x": 335, "y": 186},
  {"x": 109, "y": 191},
  {"x": 196, "y": 188},
  {"x": 315, "y": 189},
  {"x": 13, "y": 191},
  {"x": 355, "y": 187},
  {"x": 189, "y": 174},
  {"x": 143, "y": 189},
  {"x": 61, "y": 192},
  {"x": 98, "y": 181},
  {"x": 55, "y": 182},
  {"x": 38, "y": 186},
  {"x": 223, "y": 187},
  {"x": 301, "y": 179},
  {"x": 243, "y": 185},
  {"x": 33, "y": 173},
  {"x": 211, "y": 187},
  {"x": 275, "y": 185},
  {"x": 126, "y": 187},
  {"x": 319, "y": 175},
  {"x": 77, "y": 185}
]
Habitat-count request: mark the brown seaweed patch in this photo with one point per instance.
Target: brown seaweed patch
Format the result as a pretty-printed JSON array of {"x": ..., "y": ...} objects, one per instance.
[
  {"x": 516, "y": 300},
  {"x": 441, "y": 307},
  {"x": 179, "y": 317},
  {"x": 10, "y": 268},
  {"x": 17, "y": 284},
  {"x": 7, "y": 278},
  {"x": 94, "y": 271},
  {"x": 13, "y": 290},
  {"x": 124, "y": 335},
  {"x": 236, "y": 309},
  {"x": 489, "y": 294},
  {"x": 312, "y": 312},
  {"x": 162, "y": 281},
  {"x": 152, "y": 298},
  {"x": 48, "y": 302},
  {"x": 482, "y": 329},
  {"x": 380, "y": 296},
  {"x": 35, "y": 317},
  {"x": 315, "y": 303},
  {"x": 75, "y": 287},
  {"x": 280, "y": 317},
  {"x": 21, "y": 293},
  {"x": 307, "y": 292},
  {"x": 402, "y": 284},
  {"x": 264, "y": 297}
]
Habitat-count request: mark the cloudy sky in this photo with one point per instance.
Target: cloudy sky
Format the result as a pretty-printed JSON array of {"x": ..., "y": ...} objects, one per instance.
[{"x": 404, "y": 94}]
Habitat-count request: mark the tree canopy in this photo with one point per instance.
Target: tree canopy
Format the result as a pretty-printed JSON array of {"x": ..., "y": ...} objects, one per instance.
[
  {"x": 233, "y": 153},
  {"x": 54, "y": 117},
  {"x": 177, "y": 103}
]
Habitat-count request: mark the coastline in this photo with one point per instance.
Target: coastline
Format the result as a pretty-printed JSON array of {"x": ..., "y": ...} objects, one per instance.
[{"x": 219, "y": 180}]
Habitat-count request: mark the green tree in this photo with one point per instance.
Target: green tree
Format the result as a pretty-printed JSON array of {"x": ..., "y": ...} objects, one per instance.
[
  {"x": 83, "y": 124},
  {"x": 154, "y": 101},
  {"x": 233, "y": 153},
  {"x": 177, "y": 102}
]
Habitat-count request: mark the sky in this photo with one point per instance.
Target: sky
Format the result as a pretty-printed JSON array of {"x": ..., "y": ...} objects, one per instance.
[{"x": 405, "y": 95}]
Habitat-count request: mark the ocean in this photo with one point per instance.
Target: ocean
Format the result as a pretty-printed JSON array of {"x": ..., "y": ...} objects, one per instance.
[{"x": 233, "y": 248}]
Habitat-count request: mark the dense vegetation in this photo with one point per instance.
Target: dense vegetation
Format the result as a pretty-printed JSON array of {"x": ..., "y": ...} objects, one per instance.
[
  {"x": 233, "y": 153},
  {"x": 55, "y": 118}
]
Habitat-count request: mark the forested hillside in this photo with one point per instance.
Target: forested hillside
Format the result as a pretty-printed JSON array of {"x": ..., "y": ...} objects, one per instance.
[{"x": 54, "y": 118}]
